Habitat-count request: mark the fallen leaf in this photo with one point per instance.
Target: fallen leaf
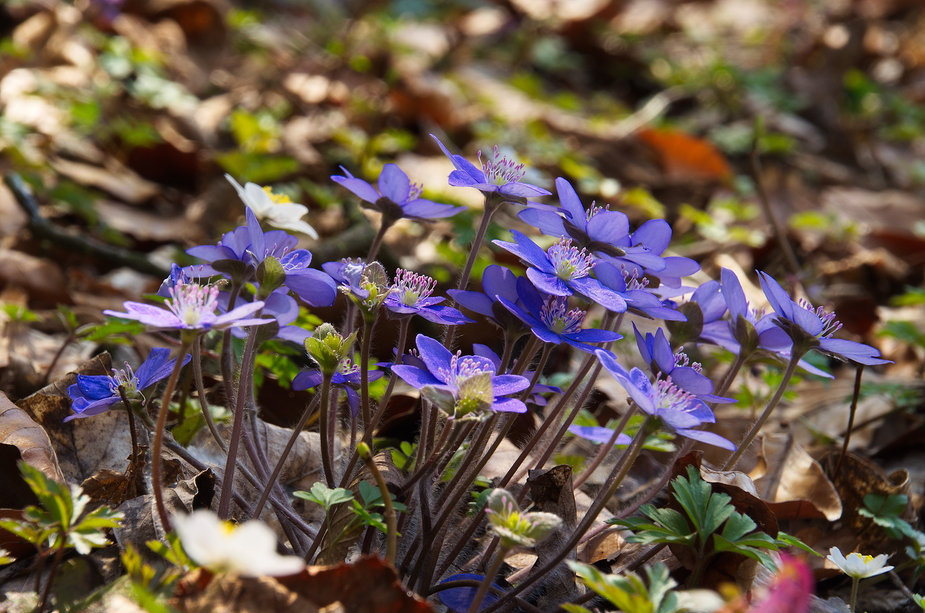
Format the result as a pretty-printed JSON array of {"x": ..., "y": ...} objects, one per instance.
[
  {"x": 18, "y": 429},
  {"x": 367, "y": 585},
  {"x": 793, "y": 483},
  {"x": 117, "y": 180},
  {"x": 685, "y": 157},
  {"x": 40, "y": 278}
]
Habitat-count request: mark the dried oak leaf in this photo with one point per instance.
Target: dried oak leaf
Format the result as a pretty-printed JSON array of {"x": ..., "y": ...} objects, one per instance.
[
  {"x": 367, "y": 585},
  {"x": 18, "y": 429},
  {"x": 686, "y": 157},
  {"x": 83, "y": 446},
  {"x": 793, "y": 483},
  {"x": 232, "y": 594}
]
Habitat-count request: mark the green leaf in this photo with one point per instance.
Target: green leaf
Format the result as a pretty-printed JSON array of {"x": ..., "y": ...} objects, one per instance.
[{"x": 325, "y": 496}]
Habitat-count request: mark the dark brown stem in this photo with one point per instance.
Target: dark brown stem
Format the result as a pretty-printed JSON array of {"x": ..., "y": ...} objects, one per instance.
[
  {"x": 159, "y": 431},
  {"x": 852, "y": 411}
]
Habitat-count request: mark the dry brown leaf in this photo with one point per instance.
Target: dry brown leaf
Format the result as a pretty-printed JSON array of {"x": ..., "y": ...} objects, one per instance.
[
  {"x": 367, "y": 585},
  {"x": 792, "y": 482},
  {"x": 17, "y": 428},
  {"x": 40, "y": 278},
  {"x": 227, "y": 593},
  {"x": 83, "y": 446},
  {"x": 117, "y": 180},
  {"x": 144, "y": 225}
]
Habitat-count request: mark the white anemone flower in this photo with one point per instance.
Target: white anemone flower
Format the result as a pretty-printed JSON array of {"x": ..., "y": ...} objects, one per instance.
[
  {"x": 248, "y": 550},
  {"x": 276, "y": 209},
  {"x": 859, "y": 566}
]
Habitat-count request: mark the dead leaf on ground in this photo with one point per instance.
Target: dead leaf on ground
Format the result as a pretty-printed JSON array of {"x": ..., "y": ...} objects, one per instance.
[
  {"x": 227, "y": 593},
  {"x": 117, "y": 180},
  {"x": 367, "y": 585},
  {"x": 17, "y": 428},
  {"x": 686, "y": 157},
  {"x": 792, "y": 482},
  {"x": 40, "y": 278}
]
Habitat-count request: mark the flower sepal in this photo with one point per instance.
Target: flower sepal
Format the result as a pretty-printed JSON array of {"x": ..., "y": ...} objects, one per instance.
[
  {"x": 239, "y": 272},
  {"x": 514, "y": 527},
  {"x": 746, "y": 335},
  {"x": 270, "y": 275},
  {"x": 686, "y": 331},
  {"x": 327, "y": 347}
]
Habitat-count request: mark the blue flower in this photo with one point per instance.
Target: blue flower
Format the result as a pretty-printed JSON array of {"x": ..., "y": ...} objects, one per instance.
[
  {"x": 347, "y": 378},
  {"x": 812, "y": 328},
  {"x": 655, "y": 351},
  {"x": 245, "y": 247},
  {"x": 396, "y": 197},
  {"x": 461, "y": 385},
  {"x": 497, "y": 282},
  {"x": 679, "y": 410},
  {"x": 498, "y": 175},
  {"x": 597, "y": 229},
  {"x": 94, "y": 394},
  {"x": 536, "y": 394},
  {"x": 745, "y": 324},
  {"x": 411, "y": 295},
  {"x": 551, "y": 320},
  {"x": 563, "y": 270}
]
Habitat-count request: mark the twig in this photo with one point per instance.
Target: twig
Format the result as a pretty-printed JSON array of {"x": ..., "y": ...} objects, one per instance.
[{"x": 43, "y": 229}]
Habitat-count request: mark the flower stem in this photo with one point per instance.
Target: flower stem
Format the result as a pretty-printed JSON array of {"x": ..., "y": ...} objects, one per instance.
[
  {"x": 369, "y": 323},
  {"x": 296, "y": 431},
  {"x": 386, "y": 223},
  {"x": 605, "y": 448},
  {"x": 131, "y": 422},
  {"x": 489, "y": 578},
  {"x": 607, "y": 491},
  {"x": 389, "y": 512},
  {"x": 326, "y": 450},
  {"x": 855, "y": 582},
  {"x": 852, "y": 411},
  {"x": 788, "y": 374},
  {"x": 237, "y": 425},
  {"x": 158, "y": 443},
  {"x": 492, "y": 203},
  {"x": 200, "y": 389}
]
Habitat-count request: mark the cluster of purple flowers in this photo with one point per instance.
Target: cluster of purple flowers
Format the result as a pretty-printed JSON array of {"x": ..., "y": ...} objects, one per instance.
[{"x": 596, "y": 261}]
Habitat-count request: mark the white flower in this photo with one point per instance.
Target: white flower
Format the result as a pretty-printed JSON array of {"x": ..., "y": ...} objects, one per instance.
[
  {"x": 276, "y": 209},
  {"x": 248, "y": 550},
  {"x": 858, "y": 566}
]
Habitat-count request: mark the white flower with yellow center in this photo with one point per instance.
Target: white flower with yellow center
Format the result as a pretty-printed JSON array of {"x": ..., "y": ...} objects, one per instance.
[
  {"x": 276, "y": 209},
  {"x": 859, "y": 566},
  {"x": 248, "y": 550}
]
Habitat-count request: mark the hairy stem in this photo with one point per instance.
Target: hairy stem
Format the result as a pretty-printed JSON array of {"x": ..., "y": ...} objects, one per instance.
[
  {"x": 158, "y": 443},
  {"x": 788, "y": 374}
]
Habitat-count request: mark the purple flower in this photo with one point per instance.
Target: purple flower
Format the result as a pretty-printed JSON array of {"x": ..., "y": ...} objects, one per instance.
[
  {"x": 461, "y": 385},
  {"x": 94, "y": 394},
  {"x": 191, "y": 307},
  {"x": 812, "y": 328},
  {"x": 745, "y": 324},
  {"x": 499, "y": 175},
  {"x": 551, "y": 320},
  {"x": 599, "y": 434},
  {"x": 497, "y": 282},
  {"x": 243, "y": 249},
  {"x": 348, "y": 273},
  {"x": 597, "y": 229},
  {"x": 656, "y": 352},
  {"x": 563, "y": 270},
  {"x": 411, "y": 295},
  {"x": 679, "y": 410},
  {"x": 347, "y": 378},
  {"x": 396, "y": 197},
  {"x": 636, "y": 291},
  {"x": 538, "y": 389}
]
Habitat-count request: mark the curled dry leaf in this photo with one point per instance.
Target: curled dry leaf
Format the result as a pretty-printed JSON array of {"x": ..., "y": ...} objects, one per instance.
[
  {"x": 792, "y": 482},
  {"x": 17, "y": 428},
  {"x": 367, "y": 585}
]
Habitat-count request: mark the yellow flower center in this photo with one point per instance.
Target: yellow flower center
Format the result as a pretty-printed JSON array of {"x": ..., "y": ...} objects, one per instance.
[
  {"x": 866, "y": 559},
  {"x": 277, "y": 198}
]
